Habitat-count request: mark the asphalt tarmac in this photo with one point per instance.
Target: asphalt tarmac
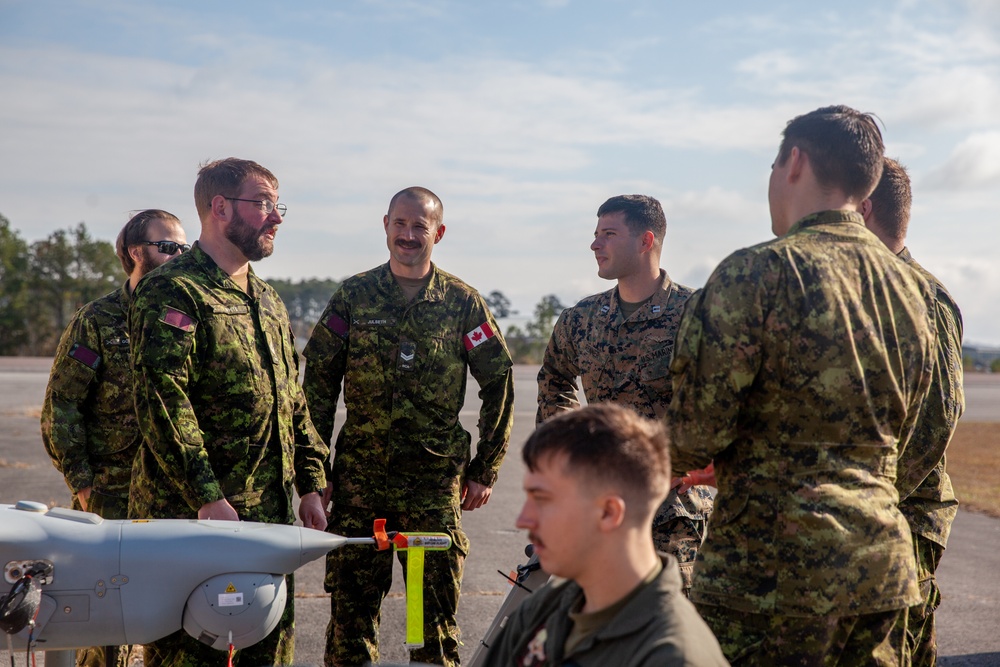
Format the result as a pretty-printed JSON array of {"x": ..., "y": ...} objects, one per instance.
[{"x": 968, "y": 618}]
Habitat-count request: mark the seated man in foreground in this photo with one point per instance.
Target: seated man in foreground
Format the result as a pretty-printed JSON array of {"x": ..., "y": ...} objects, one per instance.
[{"x": 594, "y": 480}]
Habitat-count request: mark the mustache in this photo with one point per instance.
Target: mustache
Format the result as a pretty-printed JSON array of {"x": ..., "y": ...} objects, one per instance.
[{"x": 402, "y": 243}]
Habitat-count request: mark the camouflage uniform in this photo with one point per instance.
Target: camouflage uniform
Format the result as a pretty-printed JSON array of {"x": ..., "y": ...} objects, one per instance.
[
  {"x": 88, "y": 419},
  {"x": 799, "y": 369},
  {"x": 221, "y": 413},
  {"x": 402, "y": 449},
  {"x": 627, "y": 362},
  {"x": 929, "y": 503}
]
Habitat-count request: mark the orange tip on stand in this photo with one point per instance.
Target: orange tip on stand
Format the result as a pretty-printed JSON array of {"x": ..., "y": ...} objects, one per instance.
[{"x": 382, "y": 541}]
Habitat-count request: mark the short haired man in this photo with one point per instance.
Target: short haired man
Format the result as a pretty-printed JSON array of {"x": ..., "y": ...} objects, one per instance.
[
  {"x": 88, "y": 420},
  {"x": 401, "y": 339},
  {"x": 926, "y": 500},
  {"x": 226, "y": 431},
  {"x": 799, "y": 370},
  {"x": 595, "y": 477},
  {"x": 620, "y": 343}
]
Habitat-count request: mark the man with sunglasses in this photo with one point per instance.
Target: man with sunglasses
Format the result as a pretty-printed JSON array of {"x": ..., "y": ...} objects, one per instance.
[
  {"x": 226, "y": 431},
  {"x": 88, "y": 420}
]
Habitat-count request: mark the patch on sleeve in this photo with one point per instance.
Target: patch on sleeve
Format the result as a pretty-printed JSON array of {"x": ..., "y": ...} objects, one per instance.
[
  {"x": 337, "y": 325},
  {"x": 85, "y": 356},
  {"x": 177, "y": 319},
  {"x": 478, "y": 336}
]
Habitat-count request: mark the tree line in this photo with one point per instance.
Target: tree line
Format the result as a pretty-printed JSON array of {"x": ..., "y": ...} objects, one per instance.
[{"x": 42, "y": 284}]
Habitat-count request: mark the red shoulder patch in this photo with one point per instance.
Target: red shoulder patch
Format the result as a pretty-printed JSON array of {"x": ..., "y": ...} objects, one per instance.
[
  {"x": 337, "y": 325},
  {"x": 85, "y": 356},
  {"x": 177, "y": 319}
]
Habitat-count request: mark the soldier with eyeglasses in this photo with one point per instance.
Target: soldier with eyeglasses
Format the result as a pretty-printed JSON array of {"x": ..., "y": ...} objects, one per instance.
[
  {"x": 89, "y": 425},
  {"x": 226, "y": 431}
]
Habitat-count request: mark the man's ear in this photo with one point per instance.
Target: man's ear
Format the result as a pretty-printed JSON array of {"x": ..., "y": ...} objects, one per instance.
[
  {"x": 439, "y": 233},
  {"x": 219, "y": 207},
  {"x": 648, "y": 241},
  {"x": 797, "y": 161},
  {"x": 135, "y": 252},
  {"x": 866, "y": 209},
  {"x": 612, "y": 512}
]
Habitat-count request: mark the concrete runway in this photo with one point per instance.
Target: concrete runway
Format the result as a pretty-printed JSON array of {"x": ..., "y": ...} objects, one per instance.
[{"x": 968, "y": 618}]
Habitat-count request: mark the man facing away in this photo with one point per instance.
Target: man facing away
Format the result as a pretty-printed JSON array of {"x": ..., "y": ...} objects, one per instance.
[
  {"x": 620, "y": 344},
  {"x": 799, "y": 369},
  {"x": 89, "y": 425},
  {"x": 401, "y": 339},
  {"x": 226, "y": 431},
  {"x": 594, "y": 479},
  {"x": 928, "y": 502}
]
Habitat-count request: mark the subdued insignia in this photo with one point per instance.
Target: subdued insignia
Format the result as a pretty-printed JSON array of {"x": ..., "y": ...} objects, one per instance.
[
  {"x": 237, "y": 309},
  {"x": 85, "y": 356},
  {"x": 177, "y": 319},
  {"x": 337, "y": 325}
]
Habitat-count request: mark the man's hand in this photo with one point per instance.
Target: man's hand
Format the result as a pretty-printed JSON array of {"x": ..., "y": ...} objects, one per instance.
[
  {"x": 219, "y": 510},
  {"x": 704, "y": 477},
  {"x": 83, "y": 495},
  {"x": 311, "y": 511},
  {"x": 474, "y": 495}
]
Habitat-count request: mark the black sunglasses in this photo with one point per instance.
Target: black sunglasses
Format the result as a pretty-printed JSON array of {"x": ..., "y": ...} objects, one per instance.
[{"x": 169, "y": 247}]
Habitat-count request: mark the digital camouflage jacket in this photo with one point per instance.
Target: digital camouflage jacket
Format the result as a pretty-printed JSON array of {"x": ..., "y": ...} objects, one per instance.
[
  {"x": 619, "y": 361},
  {"x": 216, "y": 392},
  {"x": 88, "y": 420},
  {"x": 799, "y": 369},
  {"x": 930, "y": 504},
  {"x": 404, "y": 371}
]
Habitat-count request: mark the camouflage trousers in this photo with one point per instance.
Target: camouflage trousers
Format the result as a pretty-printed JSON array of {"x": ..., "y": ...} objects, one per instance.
[
  {"x": 358, "y": 579},
  {"x": 107, "y": 656},
  {"x": 681, "y": 537},
  {"x": 182, "y": 650},
  {"x": 915, "y": 635},
  {"x": 771, "y": 640}
]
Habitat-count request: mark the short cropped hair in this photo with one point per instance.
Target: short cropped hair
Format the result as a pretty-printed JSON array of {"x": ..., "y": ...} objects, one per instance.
[
  {"x": 225, "y": 177},
  {"x": 642, "y": 214},
  {"x": 419, "y": 194},
  {"x": 844, "y": 147},
  {"x": 134, "y": 233},
  {"x": 891, "y": 200},
  {"x": 608, "y": 444}
]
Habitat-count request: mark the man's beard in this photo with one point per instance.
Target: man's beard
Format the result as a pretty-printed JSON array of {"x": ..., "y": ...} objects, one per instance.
[{"x": 254, "y": 245}]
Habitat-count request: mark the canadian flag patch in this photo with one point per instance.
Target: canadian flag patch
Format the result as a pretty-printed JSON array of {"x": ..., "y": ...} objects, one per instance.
[{"x": 478, "y": 336}]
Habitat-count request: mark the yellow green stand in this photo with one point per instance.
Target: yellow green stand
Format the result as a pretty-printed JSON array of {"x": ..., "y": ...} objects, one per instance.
[{"x": 414, "y": 544}]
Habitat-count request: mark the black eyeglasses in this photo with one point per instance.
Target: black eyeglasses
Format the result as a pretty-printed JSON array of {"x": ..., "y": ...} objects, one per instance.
[
  {"x": 265, "y": 205},
  {"x": 169, "y": 247}
]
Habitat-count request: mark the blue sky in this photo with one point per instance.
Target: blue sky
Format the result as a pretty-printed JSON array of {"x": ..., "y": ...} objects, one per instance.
[{"x": 523, "y": 116}]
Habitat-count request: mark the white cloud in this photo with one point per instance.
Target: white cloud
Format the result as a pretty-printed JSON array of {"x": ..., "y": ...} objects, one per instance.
[{"x": 974, "y": 164}]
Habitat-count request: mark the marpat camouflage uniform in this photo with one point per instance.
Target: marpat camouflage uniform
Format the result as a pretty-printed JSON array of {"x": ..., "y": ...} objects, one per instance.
[
  {"x": 929, "y": 504},
  {"x": 627, "y": 362},
  {"x": 222, "y": 415},
  {"x": 402, "y": 448},
  {"x": 799, "y": 369},
  {"x": 88, "y": 418}
]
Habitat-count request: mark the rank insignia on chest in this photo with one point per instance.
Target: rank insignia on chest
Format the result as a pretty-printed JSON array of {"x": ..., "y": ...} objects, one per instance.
[
  {"x": 604, "y": 309},
  {"x": 407, "y": 355},
  {"x": 656, "y": 309}
]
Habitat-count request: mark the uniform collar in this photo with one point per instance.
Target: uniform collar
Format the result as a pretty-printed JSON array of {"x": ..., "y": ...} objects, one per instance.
[
  {"x": 655, "y": 307},
  {"x": 828, "y": 218},
  {"x": 434, "y": 291},
  {"x": 203, "y": 260},
  {"x": 905, "y": 255}
]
